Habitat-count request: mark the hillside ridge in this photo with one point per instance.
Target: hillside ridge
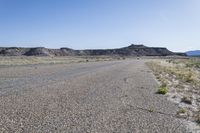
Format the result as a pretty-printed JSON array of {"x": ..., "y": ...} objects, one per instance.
[
  {"x": 131, "y": 50},
  {"x": 193, "y": 53}
]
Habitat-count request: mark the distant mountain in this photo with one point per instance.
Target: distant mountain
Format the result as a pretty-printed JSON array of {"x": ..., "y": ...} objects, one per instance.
[
  {"x": 193, "y": 53},
  {"x": 132, "y": 50}
]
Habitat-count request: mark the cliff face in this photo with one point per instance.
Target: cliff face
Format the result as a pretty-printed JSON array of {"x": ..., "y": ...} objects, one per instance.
[{"x": 132, "y": 50}]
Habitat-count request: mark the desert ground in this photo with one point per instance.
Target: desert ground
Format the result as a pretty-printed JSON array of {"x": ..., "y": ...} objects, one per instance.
[{"x": 98, "y": 94}]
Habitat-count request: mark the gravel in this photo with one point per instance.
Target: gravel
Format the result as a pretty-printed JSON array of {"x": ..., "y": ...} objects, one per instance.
[{"x": 103, "y": 97}]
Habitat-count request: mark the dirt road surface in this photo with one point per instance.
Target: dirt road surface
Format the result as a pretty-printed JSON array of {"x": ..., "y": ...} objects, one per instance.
[{"x": 101, "y": 97}]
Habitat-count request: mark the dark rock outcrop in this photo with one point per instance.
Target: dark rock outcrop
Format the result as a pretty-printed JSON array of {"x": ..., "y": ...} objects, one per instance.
[
  {"x": 132, "y": 50},
  {"x": 40, "y": 51},
  {"x": 13, "y": 51}
]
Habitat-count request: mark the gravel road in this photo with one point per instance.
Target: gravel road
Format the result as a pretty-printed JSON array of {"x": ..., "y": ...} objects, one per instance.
[{"x": 103, "y": 97}]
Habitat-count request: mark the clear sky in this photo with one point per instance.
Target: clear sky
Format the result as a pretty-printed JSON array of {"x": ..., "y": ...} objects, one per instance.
[{"x": 83, "y": 24}]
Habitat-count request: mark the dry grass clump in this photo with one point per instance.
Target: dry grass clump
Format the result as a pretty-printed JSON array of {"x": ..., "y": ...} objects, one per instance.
[
  {"x": 174, "y": 68},
  {"x": 182, "y": 111},
  {"x": 189, "y": 63},
  {"x": 193, "y": 64},
  {"x": 151, "y": 110}
]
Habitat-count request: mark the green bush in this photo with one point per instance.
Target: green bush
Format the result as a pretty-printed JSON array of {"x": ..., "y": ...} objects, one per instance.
[{"x": 163, "y": 90}]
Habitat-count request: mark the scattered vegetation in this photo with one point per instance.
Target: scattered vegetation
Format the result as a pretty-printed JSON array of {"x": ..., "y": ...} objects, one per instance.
[
  {"x": 182, "y": 77},
  {"x": 182, "y": 111},
  {"x": 151, "y": 109},
  {"x": 179, "y": 70},
  {"x": 28, "y": 60},
  {"x": 193, "y": 64},
  {"x": 163, "y": 90}
]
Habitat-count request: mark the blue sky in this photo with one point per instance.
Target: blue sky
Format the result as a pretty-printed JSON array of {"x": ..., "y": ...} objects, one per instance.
[{"x": 83, "y": 24}]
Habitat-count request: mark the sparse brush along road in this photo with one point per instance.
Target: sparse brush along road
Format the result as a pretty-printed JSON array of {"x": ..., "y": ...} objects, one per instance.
[{"x": 113, "y": 96}]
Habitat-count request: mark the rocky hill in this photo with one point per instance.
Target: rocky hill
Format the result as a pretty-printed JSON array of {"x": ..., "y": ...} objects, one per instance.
[{"x": 132, "y": 50}]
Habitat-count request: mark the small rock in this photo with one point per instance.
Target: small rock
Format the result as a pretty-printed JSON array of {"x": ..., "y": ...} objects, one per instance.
[{"x": 186, "y": 100}]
